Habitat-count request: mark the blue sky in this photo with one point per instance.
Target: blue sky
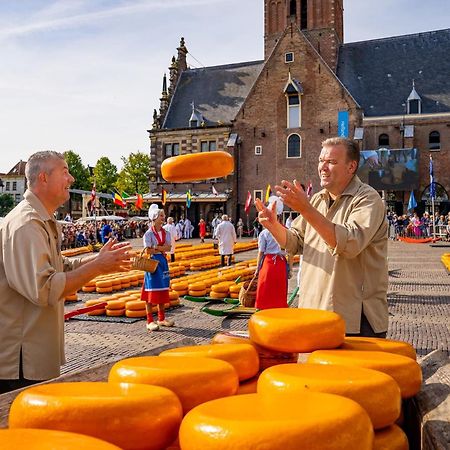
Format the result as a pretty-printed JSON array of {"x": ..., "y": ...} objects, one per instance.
[{"x": 85, "y": 75}]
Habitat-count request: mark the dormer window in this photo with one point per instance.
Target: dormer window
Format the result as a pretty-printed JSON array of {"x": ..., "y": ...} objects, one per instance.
[
  {"x": 414, "y": 102},
  {"x": 196, "y": 120},
  {"x": 293, "y": 91}
]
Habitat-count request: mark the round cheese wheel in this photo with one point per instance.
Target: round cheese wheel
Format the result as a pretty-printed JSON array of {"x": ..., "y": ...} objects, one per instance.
[
  {"x": 390, "y": 438},
  {"x": 115, "y": 312},
  {"x": 71, "y": 298},
  {"x": 28, "y": 438},
  {"x": 173, "y": 295},
  {"x": 403, "y": 370},
  {"x": 380, "y": 345},
  {"x": 198, "y": 286},
  {"x": 217, "y": 295},
  {"x": 296, "y": 329},
  {"x": 135, "y": 305},
  {"x": 221, "y": 287},
  {"x": 104, "y": 283},
  {"x": 307, "y": 421},
  {"x": 375, "y": 391},
  {"x": 175, "y": 302},
  {"x": 95, "y": 301},
  {"x": 180, "y": 286},
  {"x": 197, "y": 166},
  {"x": 242, "y": 357},
  {"x": 88, "y": 288},
  {"x": 116, "y": 304},
  {"x": 97, "y": 312},
  {"x": 197, "y": 293},
  {"x": 117, "y": 413},
  {"x": 102, "y": 290},
  {"x": 194, "y": 380},
  {"x": 136, "y": 313}
]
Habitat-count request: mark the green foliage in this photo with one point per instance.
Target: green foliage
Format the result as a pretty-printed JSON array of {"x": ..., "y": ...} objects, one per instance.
[
  {"x": 6, "y": 204},
  {"x": 134, "y": 175},
  {"x": 105, "y": 173},
  {"x": 78, "y": 171}
]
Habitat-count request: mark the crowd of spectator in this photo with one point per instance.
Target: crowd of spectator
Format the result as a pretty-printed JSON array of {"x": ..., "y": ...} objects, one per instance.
[{"x": 415, "y": 226}]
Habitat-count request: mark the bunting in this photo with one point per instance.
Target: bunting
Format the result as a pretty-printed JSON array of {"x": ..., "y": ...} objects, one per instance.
[
  {"x": 118, "y": 200},
  {"x": 188, "y": 198},
  {"x": 268, "y": 191},
  {"x": 163, "y": 196}
]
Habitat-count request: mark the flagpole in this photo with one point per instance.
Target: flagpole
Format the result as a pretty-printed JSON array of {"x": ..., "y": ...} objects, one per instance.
[{"x": 434, "y": 218}]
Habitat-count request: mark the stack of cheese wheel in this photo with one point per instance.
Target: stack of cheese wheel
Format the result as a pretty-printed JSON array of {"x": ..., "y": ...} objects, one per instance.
[
  {"x": 174, "y": 298},
  {"x": 390, "y": 438},
  {"x": 220, "y": 290},
  {"x": 115, "y": 308},
  {"x": 180, "y": 287},
  {"x": 235, "y": 289},
  {"x": 375, "y": 391},
  {"x": 242, "y": 357},
  {"x": 197, "y": 289},
  {"x": 135, "y": 308},
  {"x": 131, "y": 416},
  {"x": 306, "y": 421},
  {"x": 194, "y": 380},
  {"x": 296, "y": 330},
  {"x": 267, "y": 357},
  {"x": 89, "y": 286},
  {"x": 20, "y": 438},
  {"x": 104, "y": 286},
  {"x": 380, "y": 345},
  {"x": 101, "y": 310},
  {"x": 71, "y": 297},
  {"x": 403, "y": 370}
]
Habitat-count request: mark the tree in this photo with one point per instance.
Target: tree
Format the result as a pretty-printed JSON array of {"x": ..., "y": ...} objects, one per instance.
[
  {"x": 105, "y": 173},
  {"x": 6, "y": 204},
  {"x": 78, "y": 171},
  {"x": 133, "y": 177}
]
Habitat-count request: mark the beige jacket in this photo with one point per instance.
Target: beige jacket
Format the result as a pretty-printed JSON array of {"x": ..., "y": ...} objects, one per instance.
[
  {"x": 354, "y": 275},
  {"x": 32, "y": 280}
]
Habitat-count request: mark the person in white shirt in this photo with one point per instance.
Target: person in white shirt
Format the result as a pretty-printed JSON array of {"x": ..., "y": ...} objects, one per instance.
[
  {"x": 226, "y": 234},
  {"x": 187, "y": 229},
  {"x": 174, "y": 236}
]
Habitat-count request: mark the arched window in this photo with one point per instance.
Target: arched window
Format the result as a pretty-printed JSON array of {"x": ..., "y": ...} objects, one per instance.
[
  {"x": 294, "y": 146},
  {"x": 434, "y": 140},
  {"x": 383, "y": 140}
]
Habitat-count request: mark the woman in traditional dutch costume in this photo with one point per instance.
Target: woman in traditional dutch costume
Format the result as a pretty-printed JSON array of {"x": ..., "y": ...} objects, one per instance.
[{"x": 155, "y": 290}]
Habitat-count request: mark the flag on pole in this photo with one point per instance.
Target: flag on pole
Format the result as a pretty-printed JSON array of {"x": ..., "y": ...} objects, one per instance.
[
  {"x": 139, "y": 201},
  {"x": 93, "y": 196},
  {"x": 214, "y": 190},
  {"x": 309, "y": 189},
  {"x": 163, "y": 196},
  {"x": 188, "y": 198},
  {"x": 432, "y": 185},
  {"x": 248, "y": 202},
  {"x": 412, "y": 202},
  {"x": 118, "y": 200},
  {"x": 125, "y": 195},
  {"x": 268, "y": 191}
]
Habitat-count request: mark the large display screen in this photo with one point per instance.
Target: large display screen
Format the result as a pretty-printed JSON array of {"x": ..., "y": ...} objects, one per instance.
[{"x": 390, "y": 169}]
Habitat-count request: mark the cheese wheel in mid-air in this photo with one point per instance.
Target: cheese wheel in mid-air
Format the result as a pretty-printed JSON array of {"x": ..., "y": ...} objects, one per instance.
[
  {"x": 406, "y": 372},
  {"x": 117, "y": 413},
  {"x": 296, "y": 330},
  {"x": 197, "y": 166},
  {"x": 194, "y": 380},
  {"x": 380, "y": 345},
  {"x": 302, "y": 421},
  {"x": 29, "y": 438},
  {"x": 375, "y": 391},
  {"x": 243, "y": 357}
]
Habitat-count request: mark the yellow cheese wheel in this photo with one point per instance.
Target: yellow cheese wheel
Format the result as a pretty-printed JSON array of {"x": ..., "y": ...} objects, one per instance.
[
  {"x": 197, "y": 293},
  {"x": 197, "y": 166},
  {"x": 242, "y": 357},
  {"x": 173, "y": 295},
  {"x": 194, "y": 380},
  {"x": 97, "y": 312},
  {"x": 121, "y": 414},
  {"x": 95, "y": 301},
  {"x": 307, "y": 421},
  {"x": 28, "y": 438},
  {"x": 198, "y": 286},
  {"x": 217, "y": 295},
  {"x": 102, "y": 290},
  {"x": 403, "y": 370},
  {"x": 135, "y": 305},
  {"x": 380, "y": 345},
  {"x": 175, "y": 302},
  {"x": 137, "y": 313},
  {"x": 296, "y": 329},
  {"x": 115, "y": 312},
  {"x": 88, "y": 288},
  {"x": 71, "y": 298},
  {"x": 248, "y": 386},
  {"x": 104, "y": 284},
  {"x": 235, "y": 289},
  {"x": 220, "y": 287},
  {"x": 115, "y": 304},
  {"x": 390, "y": 438},
  {"x": 375, "y": 391},
  {"x": 180, "y": 286}
]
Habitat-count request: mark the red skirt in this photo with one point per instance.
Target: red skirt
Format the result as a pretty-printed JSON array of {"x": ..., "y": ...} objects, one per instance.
[
  {"x": 155, "y": 297},
  {"x": 272, "y": 283}
]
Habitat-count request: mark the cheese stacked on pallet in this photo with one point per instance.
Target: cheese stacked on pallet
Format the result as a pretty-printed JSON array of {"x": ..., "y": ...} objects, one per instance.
[
  {"x": 21, "y": 438},
  {"x": 115, "y": 308},
  {"x": 307, "y": 421},
  {"x": 403, "y": 370},
  {"x": 242, "y": 357},
  {"x": 123, "y": 414},
  {"x": 380, "y": 345},
  {"x": 135, "y": 308},
  {"x": 181, "y": 288},
  {"x": 296, "y": 330},
  {"x": 194, "y": 380},
  {"x": 220, "y": 290},
  {"x": 197, "y": 289},
  {"x": 390, "y": 438},
  {"x": 375, "y": 391}
]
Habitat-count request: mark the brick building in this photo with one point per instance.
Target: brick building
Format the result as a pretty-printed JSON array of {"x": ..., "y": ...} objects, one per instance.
[{"x": 391, "y": 94}]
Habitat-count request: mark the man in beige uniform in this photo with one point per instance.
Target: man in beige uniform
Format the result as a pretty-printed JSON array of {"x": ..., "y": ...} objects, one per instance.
[
  {"x": 35, "y": 278},
  {"x": 342, "y": 234}
]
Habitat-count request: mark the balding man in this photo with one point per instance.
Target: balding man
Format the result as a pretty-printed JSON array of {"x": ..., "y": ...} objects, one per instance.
[
  {"x": 226, "y": 234},
  {"x": 35, "y": 278}
]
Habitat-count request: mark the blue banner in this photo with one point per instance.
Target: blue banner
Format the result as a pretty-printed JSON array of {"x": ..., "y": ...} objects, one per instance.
[{"x": 343, "y": 123}]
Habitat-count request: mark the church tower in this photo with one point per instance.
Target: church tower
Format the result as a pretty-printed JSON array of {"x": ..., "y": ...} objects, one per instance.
[{"x": 320, "y": 20}]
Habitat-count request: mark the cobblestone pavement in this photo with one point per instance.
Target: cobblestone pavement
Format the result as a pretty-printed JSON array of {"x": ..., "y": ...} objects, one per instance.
[{"x": 419, "y": 305}]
